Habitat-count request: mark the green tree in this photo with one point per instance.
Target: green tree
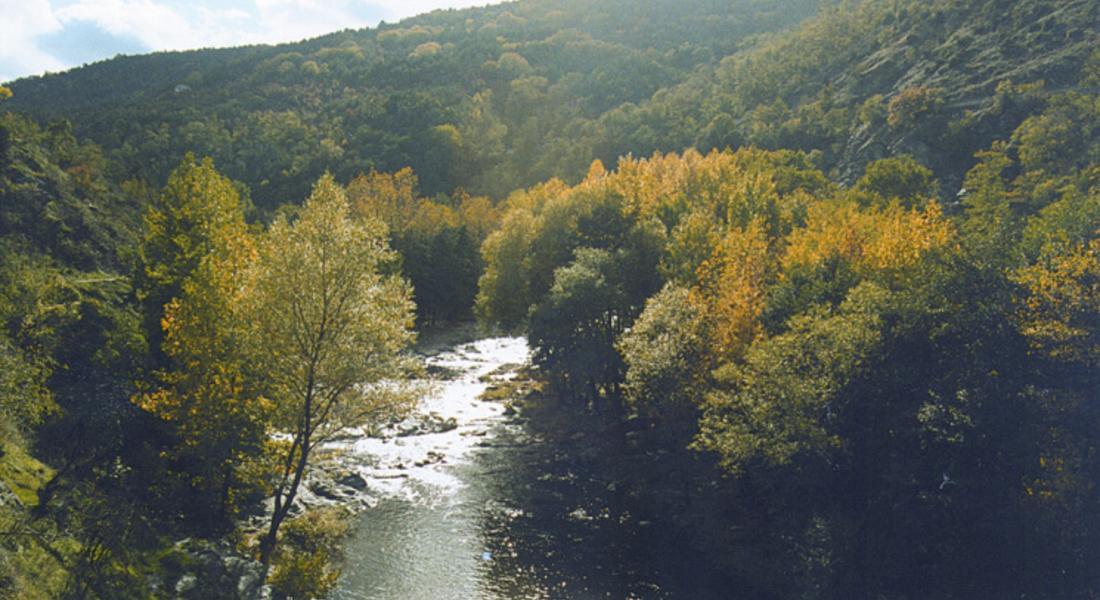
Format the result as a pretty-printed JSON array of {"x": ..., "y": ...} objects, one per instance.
[
  {"x": 329, "y": 324},
  {"x": 667, "y": 360},
  {"x": 898, "y": 178},
  {"x": 594, "y": 299},
  {"x": 575, "y": 327}
]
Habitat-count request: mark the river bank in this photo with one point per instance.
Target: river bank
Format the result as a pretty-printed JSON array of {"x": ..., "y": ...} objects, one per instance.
[{"x": 496, "y": 488}]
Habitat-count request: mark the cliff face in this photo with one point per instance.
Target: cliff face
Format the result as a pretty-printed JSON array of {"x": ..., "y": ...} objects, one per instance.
[{"x": 975, "y": 65}]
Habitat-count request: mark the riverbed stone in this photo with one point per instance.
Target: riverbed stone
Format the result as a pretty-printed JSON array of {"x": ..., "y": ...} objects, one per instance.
[
  {"x": 186, "y": 584},
  {"x": 446, "y": 425},
  {"x": 324, "y": 488},
  {"x": 354, "y": 481}
]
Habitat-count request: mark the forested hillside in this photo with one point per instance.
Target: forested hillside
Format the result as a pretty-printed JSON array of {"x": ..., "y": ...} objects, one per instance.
[
  {"x": 489, "y": 99},
  {"x": 503, "y": 97},
  {"x": 863, "y": 81},
  {"x": 829, "y": 270}
]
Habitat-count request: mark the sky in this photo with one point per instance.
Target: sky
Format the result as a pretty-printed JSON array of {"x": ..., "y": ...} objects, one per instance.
[{"x": 37, "y": 36}]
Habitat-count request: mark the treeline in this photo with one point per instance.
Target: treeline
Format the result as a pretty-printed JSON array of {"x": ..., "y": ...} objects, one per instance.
[
  {"x": 900, "y": 395},
  {"x": 150, "y": 355},
  {"x": 438, "y": 240}
]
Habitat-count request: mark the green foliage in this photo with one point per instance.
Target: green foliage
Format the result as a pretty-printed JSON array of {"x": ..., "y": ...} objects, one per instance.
[
  {"x": 329, "y": 322},
  {"x": 842, "y": 86},
  {"x": 23, "y": 474},
  {"x": 27, "y": 569},
  {"x": 311, "y": 545},
  {"x": 790, "y": 385},
  {"x": 303, "y": 575},
  {"x": 912, "y": 105},
  {"x": 899, "y": 178},
  {"x": 665, "y": 359},
  {"x": 56, "y": 199},
  {"x": 504, "y": 109},
  {"x": 1062, "y": 139},
  {"x": 575, "y": 327},
  {"x": 24, "y": 397}
]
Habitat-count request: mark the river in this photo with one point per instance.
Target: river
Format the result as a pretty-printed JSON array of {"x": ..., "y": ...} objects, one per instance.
[{"x": 497, "y": 508}]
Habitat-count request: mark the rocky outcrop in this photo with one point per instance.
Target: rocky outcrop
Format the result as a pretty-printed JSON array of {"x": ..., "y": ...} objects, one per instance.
[
  {"x": 964, "y": 59},
  {"x": 418, "y": 424},
  {"x": 200, "y": 570}
]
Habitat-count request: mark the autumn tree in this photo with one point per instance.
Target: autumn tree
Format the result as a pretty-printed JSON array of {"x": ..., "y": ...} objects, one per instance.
[
  {"x": 330, "y": 325},
  {"x": 504, "y": 288},
  {"x": 210, "y": 396},
  {"x": 437, "y": 240},
  {"x": 181, "y": 227},
  {"x": 732, "y": 288}
]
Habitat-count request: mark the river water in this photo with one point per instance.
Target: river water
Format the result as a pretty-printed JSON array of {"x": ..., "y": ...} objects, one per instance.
[{"x": 497, "y": 509}]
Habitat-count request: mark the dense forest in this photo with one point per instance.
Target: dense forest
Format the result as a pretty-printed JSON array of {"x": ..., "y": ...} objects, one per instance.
[{"x": 836, "y": 263}]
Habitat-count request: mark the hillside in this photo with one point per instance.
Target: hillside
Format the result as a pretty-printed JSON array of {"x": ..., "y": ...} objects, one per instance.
[
  {"x": 486, "y": 99},
  {"x": 502, "y": 97},
  {"x": 866, "y": 80}
]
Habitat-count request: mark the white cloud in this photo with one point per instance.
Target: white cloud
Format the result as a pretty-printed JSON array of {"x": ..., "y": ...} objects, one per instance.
[
  {"x": 155, "y": 25},
  {"x": 188, "y": 24},
  {"x": 399, "y": 9},
  {"x": 290, "y": 20},
  {"x": 23, "y": 21}
]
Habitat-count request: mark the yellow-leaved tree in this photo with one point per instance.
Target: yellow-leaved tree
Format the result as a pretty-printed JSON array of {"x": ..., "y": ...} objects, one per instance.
[
  {"x": 211, "y": 395},
  {"x": 192, "y": 277},
  {"x": 331, "y": 330},
  {"x": 732, "y": 288},
  {"x": 197, "y": 208}
]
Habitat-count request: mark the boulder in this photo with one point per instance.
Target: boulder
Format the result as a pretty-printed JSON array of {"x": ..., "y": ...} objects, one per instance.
[{"x": 354, "y": 481}]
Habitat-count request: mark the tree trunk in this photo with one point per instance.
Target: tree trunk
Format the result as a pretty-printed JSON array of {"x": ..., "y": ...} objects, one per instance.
[
  {"x": 227, "y": 483},
  {"x": 283, "y": 504}
]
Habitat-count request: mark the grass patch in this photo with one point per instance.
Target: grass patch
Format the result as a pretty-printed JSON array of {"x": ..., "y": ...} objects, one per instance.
[
  {"x": 23, "y": 473},
  {"x": 515, "y": 389}
]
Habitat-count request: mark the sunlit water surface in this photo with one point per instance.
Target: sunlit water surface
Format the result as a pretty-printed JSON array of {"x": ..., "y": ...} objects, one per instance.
[{"x": 489, "y": 510}]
